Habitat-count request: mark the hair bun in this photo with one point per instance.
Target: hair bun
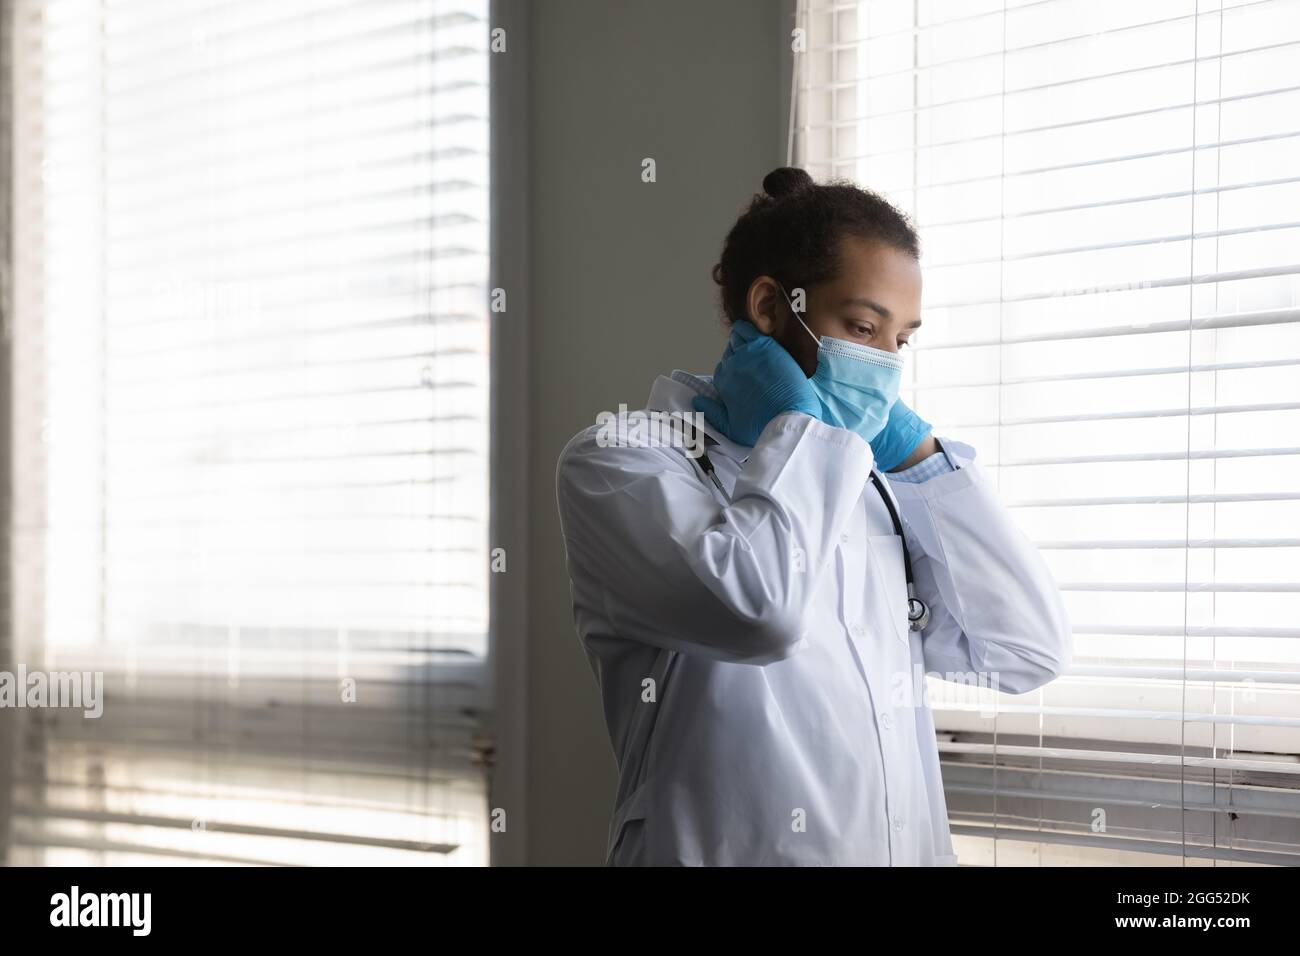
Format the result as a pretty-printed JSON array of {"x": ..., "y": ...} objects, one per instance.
[{"x": 786, "y": 180}]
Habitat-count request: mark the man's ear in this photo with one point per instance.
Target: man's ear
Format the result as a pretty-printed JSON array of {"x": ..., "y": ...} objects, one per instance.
[{"x": 763, "y": 305}]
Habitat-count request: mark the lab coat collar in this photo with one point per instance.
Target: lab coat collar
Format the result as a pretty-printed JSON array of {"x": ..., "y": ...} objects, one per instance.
[{"x": 674, "y": 393}]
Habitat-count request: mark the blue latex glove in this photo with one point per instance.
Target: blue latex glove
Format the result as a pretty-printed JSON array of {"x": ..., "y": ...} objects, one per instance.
[
  {"x": 757, "y": 380},
  {"x": 903, "y": 431}
]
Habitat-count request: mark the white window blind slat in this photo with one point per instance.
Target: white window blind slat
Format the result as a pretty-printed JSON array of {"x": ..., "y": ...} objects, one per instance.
[
  {"x": 252, "y": 416},
  {"x": 1112, "y": 756},
  {"x": 1105, "y": 195}
]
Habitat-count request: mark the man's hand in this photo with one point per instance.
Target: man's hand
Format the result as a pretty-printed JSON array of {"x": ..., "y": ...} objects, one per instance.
[
  {"x": 757, "y": 380},
  {"x": 904, "y": 440}
]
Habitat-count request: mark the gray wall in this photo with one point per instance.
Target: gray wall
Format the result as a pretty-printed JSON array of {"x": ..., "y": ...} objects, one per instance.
[{"x": 620, "y": 292}]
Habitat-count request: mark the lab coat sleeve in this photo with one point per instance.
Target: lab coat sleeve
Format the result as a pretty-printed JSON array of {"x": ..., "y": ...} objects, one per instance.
[
  {"x": 656, "y": 555},
  {"x": 996, "y": 610}
]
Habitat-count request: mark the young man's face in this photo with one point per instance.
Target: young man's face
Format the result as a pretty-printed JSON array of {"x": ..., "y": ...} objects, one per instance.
[{"x": 875, "y": 300}]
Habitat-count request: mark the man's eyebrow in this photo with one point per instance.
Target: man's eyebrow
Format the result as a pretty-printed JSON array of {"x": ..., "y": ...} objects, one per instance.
[
  {"x": 878, "y": 308},
  {"x": 868, "y": 304}
]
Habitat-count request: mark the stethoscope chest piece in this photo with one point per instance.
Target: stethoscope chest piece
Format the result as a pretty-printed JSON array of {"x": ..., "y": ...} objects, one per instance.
[{"x": 918, "y": 613}]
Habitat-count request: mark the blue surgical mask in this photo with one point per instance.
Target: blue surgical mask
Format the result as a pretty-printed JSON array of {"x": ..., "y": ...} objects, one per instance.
[{"x": 857, "y": 384}]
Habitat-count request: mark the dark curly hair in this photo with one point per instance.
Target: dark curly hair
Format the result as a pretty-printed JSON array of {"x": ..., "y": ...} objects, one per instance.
[{"x": 792, "y": 230}]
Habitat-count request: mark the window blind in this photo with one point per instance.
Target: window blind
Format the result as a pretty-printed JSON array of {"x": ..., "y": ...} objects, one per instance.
[
  {"x": 1107, "y": 199},
  {"x": 251, "y": 426}
]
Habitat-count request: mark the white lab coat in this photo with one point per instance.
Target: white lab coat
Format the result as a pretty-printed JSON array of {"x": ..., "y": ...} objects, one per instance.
[{"x": 754, "y": 658}]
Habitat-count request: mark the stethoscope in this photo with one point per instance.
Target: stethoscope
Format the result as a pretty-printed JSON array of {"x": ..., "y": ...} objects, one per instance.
[{"x": 918, "y": 612}]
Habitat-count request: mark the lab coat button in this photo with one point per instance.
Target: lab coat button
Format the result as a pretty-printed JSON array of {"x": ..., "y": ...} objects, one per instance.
[
  {"x": 859, "y": 630},
  {"x": 844, "y": 538},
  {"x": 886, "y": 721},
  {"x": 898, "y": 823}
]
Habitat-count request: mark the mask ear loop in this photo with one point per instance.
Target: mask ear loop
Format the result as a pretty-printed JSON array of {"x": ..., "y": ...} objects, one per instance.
[{"x": 797, "y": 316}]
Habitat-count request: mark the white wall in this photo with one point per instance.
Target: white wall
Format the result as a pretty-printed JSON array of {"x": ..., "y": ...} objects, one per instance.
[{"x": 620, "y": 292}]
